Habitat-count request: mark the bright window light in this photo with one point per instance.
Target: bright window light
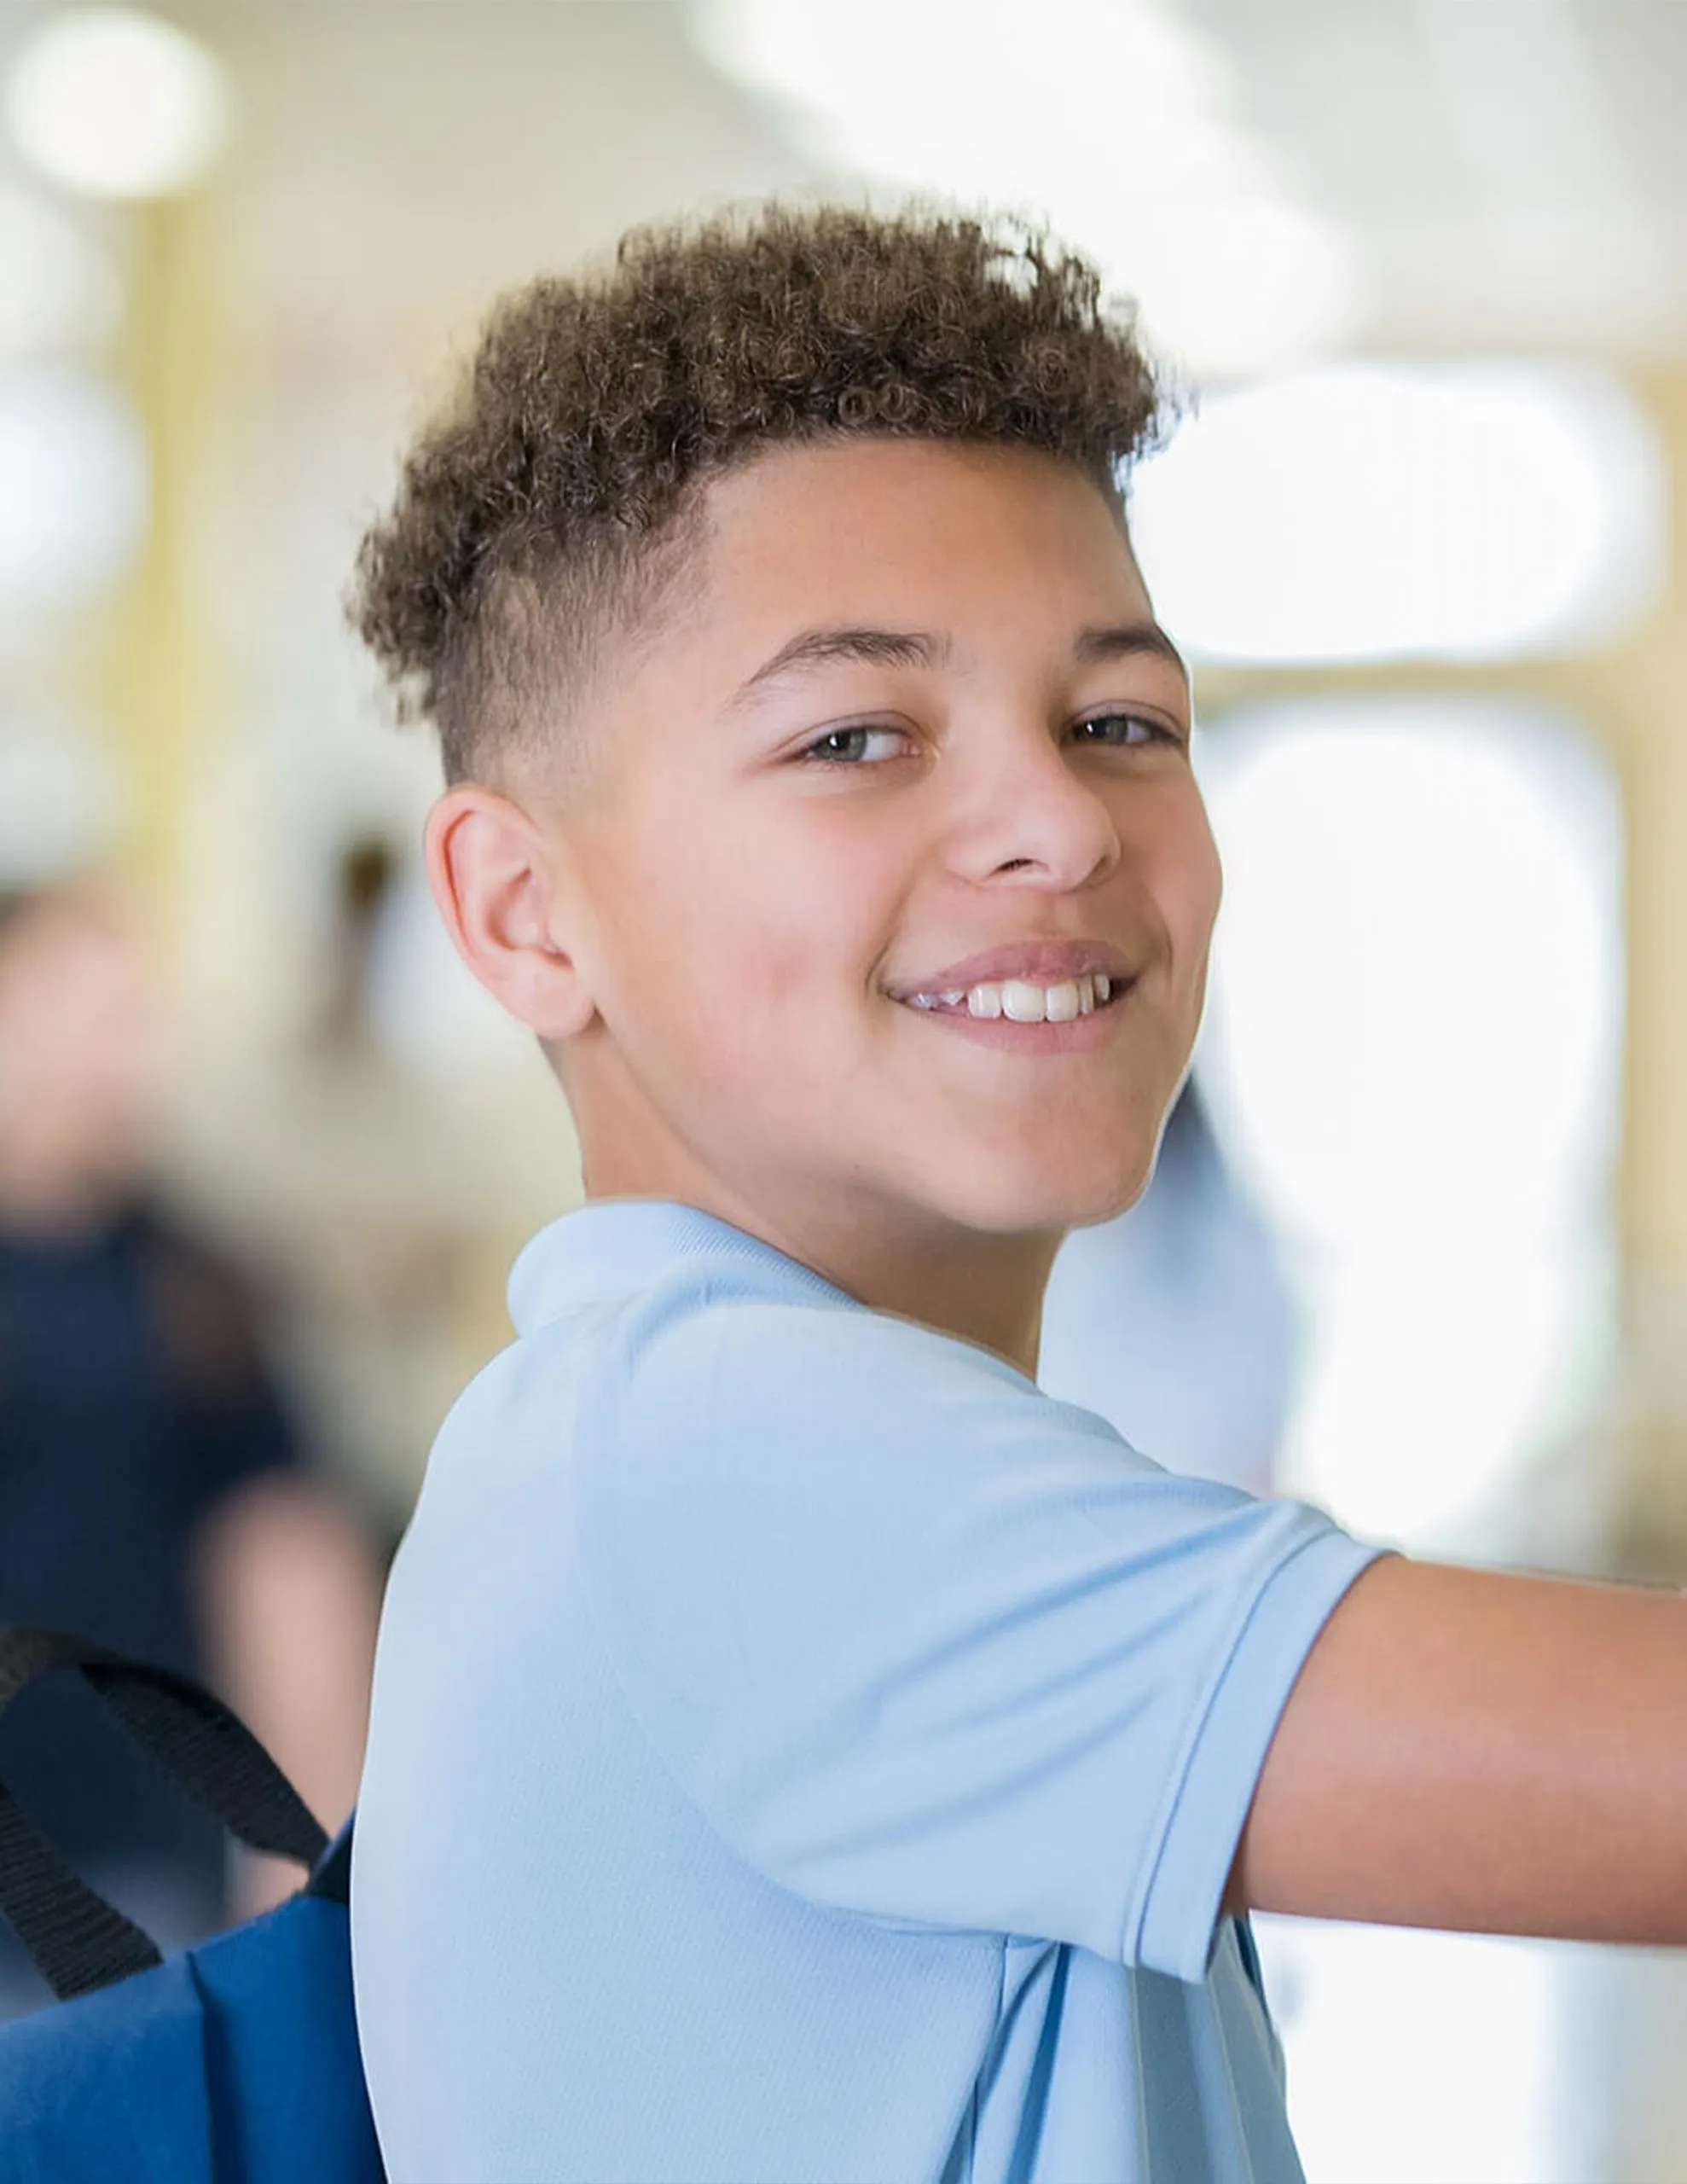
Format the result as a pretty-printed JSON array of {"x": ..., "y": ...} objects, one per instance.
[
  {"x": 1412, "y": 1052},
  {"x": 1372, "y": 2015},
  {"x": 1148, "y": 172},
  {"x": 1369, "y": 512},
  {"x": 1435, "y": 1375},
  {"x": 116, "y": 103},
  {"x": 1418, "y": 973},
  {"x": 74, "y": 489},
  {"x": 1230, "y": 289}
]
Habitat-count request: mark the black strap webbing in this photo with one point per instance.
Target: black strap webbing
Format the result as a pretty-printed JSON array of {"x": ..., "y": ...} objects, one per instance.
[{"x": 75, "y": 1938}]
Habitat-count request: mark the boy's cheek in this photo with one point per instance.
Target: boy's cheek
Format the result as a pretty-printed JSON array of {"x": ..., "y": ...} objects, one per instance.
[{"x": 1188, "y": 884}]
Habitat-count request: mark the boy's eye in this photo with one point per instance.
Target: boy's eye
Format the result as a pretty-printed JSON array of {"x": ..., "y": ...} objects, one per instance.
[
  {"x": 1123, "y": 730},
  {"x": 848, "y": 746},
  {"x": 865, "y": 745}
]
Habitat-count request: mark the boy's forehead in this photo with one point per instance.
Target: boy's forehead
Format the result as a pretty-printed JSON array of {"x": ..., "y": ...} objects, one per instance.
[
  {"x": 906, "y": 552},
  {"x": 871, "y": 531}
]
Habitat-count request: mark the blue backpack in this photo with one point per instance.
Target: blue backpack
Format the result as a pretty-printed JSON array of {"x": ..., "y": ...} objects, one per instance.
[{"x": 233, "y": 2063}]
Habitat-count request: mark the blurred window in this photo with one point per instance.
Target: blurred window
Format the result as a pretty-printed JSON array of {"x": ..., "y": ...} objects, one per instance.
[
  {"x": 1413, "y": 1053},
  {"x": 1393, "y": 512}
]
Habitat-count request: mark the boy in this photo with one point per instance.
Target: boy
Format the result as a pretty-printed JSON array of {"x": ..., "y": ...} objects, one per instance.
[{"x": 800, "y": 1748}]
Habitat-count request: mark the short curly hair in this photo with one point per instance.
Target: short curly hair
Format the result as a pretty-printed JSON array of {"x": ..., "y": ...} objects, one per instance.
[{"x": 532, "y": 517}]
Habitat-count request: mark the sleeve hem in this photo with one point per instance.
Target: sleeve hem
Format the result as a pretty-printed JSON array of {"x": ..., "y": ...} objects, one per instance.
[{"x": 1173, "y": 1925}]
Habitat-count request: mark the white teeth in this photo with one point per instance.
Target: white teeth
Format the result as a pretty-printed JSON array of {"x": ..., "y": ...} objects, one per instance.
[{"x": 1023, "y": 1003}]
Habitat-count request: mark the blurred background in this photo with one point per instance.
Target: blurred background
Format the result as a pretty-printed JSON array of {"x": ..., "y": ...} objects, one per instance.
[{"x": 1417, "y": 1247}]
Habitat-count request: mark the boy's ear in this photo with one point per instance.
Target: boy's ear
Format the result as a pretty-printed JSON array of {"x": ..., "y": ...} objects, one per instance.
[{"x": 500, "y": 885}]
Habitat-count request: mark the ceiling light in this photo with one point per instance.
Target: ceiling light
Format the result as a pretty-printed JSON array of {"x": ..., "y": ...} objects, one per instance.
[{"x": 116, "y": 103}]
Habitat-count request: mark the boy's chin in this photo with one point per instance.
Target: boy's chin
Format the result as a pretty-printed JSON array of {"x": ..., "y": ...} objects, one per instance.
[{"x": 1037, "y": 1203}]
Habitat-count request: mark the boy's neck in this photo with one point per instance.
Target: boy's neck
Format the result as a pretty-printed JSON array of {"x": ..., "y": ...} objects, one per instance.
[
  {"x": 985, "y": 1289},
  {"x": 889, "y": 1252}
]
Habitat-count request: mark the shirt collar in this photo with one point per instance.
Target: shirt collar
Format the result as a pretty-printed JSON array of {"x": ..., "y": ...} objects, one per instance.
[{"x": 613, "y": 1247}]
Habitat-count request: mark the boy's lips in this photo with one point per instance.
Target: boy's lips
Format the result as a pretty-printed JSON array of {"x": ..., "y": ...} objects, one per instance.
[
  {"x": 1034, "y": 963},
  {"x": 1039, "y": 962}
]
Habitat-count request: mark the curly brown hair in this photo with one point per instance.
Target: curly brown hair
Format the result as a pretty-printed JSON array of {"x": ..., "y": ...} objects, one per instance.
[{"x": 532, "y": 517}]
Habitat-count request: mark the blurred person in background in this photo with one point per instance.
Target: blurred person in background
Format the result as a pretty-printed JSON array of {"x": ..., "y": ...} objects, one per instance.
[
  {"x": 366, "y": 1195},
  {"x": 154, "y": 1496},
  {"x": 1175, "y": 1321}
]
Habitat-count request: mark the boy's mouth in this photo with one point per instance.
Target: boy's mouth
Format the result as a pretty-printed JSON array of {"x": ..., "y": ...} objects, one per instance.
[
  {"x": 1022, "y": 1001},
  {"x": 1071, "y": 1017},
  {"x": 1024, "y": 982}
]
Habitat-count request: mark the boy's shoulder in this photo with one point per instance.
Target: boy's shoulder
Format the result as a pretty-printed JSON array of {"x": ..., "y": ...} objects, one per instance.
[
  {"x": 673, "y": 1378},
  {"x": 660, "y": 1291}
]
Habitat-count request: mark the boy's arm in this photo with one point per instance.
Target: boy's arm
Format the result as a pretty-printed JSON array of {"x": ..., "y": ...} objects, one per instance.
[{"x": 1483, "y": 1752}]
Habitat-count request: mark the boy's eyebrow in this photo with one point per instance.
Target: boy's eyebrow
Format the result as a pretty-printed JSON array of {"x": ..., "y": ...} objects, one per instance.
[
  {"x": 818, "y": 648},
  {"x": 1123, "y": 639},
  {"x": 822, "y": 646}
]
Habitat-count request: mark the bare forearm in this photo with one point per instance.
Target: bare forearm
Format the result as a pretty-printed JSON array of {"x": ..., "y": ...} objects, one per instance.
[
  {"x": 290, "y": 1599},
  {"x": 1484, "y": 1752}
]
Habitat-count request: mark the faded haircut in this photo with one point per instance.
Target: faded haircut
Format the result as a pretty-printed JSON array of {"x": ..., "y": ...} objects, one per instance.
[{"x": 546, "y": 508}]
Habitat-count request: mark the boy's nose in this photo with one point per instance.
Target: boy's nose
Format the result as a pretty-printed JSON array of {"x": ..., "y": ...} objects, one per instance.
[{"x": 1026, "y": 815}]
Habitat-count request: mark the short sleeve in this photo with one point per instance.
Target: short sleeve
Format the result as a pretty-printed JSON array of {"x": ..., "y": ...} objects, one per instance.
[{"x": 926, "y": 1646}]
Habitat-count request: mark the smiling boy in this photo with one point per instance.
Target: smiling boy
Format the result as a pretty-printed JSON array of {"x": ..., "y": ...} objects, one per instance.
[{"x": 801, "y": 1749}]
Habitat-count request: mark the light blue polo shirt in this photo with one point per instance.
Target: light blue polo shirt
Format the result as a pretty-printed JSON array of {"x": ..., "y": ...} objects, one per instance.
[{"x": 803, "y": 1752}]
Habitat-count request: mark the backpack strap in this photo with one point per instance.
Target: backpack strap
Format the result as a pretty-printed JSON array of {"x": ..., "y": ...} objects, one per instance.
[
  {"x": 331, "y": 1877},
  {"x": 75, "y": 1938}
]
